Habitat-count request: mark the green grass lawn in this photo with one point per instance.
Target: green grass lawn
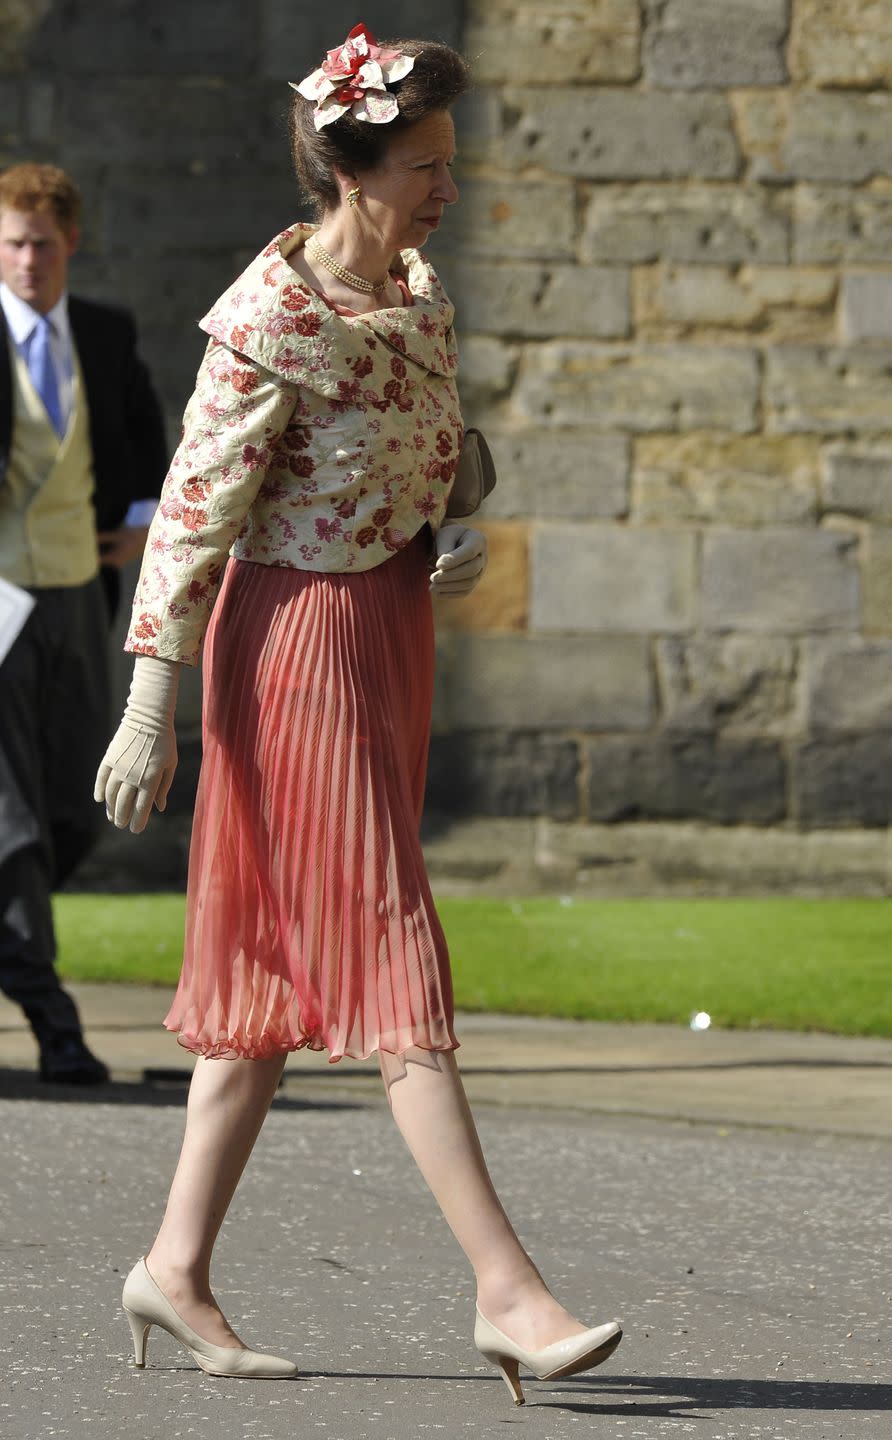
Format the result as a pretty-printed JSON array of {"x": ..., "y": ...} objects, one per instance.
[{"x": 784, "y": 964}]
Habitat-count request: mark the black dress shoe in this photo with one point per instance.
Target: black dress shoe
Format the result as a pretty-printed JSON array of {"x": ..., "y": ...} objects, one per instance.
[{"x": 65, "y": 1060}]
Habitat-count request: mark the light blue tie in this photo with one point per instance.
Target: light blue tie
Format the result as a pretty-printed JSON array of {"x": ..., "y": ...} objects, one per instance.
[{"x": 43, "y": 372}]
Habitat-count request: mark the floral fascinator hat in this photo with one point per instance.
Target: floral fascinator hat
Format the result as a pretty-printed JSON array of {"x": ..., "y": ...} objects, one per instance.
[{"x": 355, "y": 77}]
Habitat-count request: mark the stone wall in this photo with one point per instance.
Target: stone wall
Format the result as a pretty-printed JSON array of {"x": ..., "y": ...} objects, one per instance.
[
  {"x": 674, "y": 278},
  {"x": 673, "y": 270}
]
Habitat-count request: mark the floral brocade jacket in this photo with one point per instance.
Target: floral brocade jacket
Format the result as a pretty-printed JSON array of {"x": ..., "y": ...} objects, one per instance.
[{"x": 313, "y": 440}]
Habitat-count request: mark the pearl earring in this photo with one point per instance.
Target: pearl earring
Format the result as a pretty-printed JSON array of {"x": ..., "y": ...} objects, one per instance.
[{"x": 353, "y": 195}]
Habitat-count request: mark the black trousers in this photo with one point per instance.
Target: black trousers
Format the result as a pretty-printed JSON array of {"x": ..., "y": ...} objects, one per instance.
[{"x": 54, "y": 726}]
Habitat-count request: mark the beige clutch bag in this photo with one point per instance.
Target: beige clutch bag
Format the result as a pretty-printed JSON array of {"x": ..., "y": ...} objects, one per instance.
[{"x": 475, "y": 477}]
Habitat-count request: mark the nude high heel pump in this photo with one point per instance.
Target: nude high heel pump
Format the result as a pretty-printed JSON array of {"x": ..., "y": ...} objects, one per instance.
[
  {"x": 564, "y": 1357},
  {"x": 145, "y": 1305}
]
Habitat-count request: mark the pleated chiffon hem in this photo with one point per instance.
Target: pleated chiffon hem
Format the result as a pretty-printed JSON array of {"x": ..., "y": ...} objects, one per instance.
[
  {"x": 234, "y": 1048},
  {"x": 309, "y": 917}
]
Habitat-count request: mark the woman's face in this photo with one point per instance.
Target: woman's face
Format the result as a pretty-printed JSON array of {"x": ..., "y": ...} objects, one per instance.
[{"x": 404, "y": 197}]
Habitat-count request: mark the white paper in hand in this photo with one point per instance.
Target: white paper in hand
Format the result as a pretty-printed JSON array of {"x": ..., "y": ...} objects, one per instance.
[{"x": 15, "y": 607}]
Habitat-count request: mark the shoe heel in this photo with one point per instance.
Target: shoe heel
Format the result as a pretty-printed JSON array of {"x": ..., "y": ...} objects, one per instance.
[
  {"x": 139, "y": 1329},
  {"x": 511, "y": 1376}
]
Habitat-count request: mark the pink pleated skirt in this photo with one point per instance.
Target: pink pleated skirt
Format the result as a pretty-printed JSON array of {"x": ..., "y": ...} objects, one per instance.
[{"x": 309, "y": 916}]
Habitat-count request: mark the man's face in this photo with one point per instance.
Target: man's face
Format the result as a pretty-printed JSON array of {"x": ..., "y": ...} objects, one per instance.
[{"x": 34, "y": 254}]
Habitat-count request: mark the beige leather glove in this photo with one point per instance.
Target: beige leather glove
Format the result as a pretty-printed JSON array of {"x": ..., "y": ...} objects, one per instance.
[
  {"x": 461, "y": 560},
  {"x": 139, "y": 764}
]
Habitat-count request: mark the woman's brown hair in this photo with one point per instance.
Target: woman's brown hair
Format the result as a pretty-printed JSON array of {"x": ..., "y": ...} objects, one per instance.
[{"x": 436, "y": 80}]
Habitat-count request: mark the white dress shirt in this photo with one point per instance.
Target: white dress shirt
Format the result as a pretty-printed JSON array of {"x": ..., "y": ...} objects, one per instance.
[{"x": 21, "y": 321}]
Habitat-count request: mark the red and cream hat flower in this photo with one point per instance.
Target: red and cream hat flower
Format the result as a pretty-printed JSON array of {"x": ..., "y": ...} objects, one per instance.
[{"x": 355, "y": 77}]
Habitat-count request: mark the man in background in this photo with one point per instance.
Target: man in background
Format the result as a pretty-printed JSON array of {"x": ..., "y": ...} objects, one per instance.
[{"x": 82, "y": 447}]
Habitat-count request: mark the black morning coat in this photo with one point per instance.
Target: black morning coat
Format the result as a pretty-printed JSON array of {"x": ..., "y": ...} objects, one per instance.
[{"x": 126, "y": 423}]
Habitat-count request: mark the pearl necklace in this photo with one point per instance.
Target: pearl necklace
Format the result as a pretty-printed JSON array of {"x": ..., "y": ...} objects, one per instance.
[{"x": 355, "y": 282}]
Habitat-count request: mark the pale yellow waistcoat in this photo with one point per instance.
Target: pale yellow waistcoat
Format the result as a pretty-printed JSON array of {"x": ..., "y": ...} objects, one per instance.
[{"x": 47, "y": 523}]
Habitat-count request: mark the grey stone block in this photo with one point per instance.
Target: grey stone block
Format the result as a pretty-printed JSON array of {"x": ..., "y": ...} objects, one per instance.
[
  {"x": 504, "y": 218},
  {"x": 848, "y": 685},
  {"x": 620, "y": 135},
  {"x": 693, "y": 778},
  {"x": 525, "y": 300},
  {"x": 859, "y": 484},
  {"x": 187, "y": 125},
  {"x": 744, "y": 684},
  {"x": 654, "y": 388},
  {"x": 838, "y": 137},
  {"x": 866, "y": 307},
  {"x": 740, "y": 42},
  {"x": 605, "y": 578},
  {"x": 828, "y": 391},
  {"x": 503, "y": 774},
  {"x": 295, "y": 37},
  {"x": 164, "y": 213},
  {"x": 40, "y": 112},
  {"x": 690, "y": 224},
  {"x": 837, "y": 223},
  {"x": 844, "y": 781},
  {"x": 203, "y": 37},
  {"x": 524, "y": 682},
  {"x": 486, "y": 370},
  {"x": 559, "y": 474},
  {"x": 10, "y": 112},
  {"x": 779, "y": 580}
]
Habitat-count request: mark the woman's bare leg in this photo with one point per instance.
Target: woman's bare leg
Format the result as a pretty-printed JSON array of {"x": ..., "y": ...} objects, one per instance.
[
  {"x": 228, "y": 1102},
  {"x": 430, "y": 1107}
]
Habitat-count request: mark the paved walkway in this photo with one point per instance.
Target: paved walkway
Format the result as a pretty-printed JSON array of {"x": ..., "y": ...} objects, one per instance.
[
  {"x": 813, "y": 1083},
  {"x": 747, "y": 1253}
]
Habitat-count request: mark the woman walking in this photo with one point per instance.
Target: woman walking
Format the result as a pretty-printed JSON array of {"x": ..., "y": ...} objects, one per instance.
[{"x": 319, "y": 451}]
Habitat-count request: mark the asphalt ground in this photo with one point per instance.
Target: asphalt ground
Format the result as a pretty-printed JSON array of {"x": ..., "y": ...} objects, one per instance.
[{"x": 726, "y": 1195}]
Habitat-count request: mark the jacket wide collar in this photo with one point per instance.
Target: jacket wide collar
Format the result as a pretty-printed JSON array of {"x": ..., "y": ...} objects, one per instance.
[{"x": 273, "y": 318}]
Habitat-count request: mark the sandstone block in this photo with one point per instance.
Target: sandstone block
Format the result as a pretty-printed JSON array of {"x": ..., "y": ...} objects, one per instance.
[
  {"x": 525, "y": 299},
  {"x": 504, "y": 218},
  {"x": 842, "y": 43},
  {"x": 844, "y": 781},
  {"x": 553, "y": 41},
  {"x": 503, "y": 773},
  {"x": 600, "y": 578},
  {"x": 876, "y": 572},
  {"x": 559, "y": 474},
  {"x": 866, "y": 307},
  {"x": 848, "y": 684},
  {"x": 691, "y": 224},
  {"x": 859, "y": 484},
  {"x": 836, "y": 223},
  {"x": 686, "y": 778},
  {"x": 662, "y": 387},
  {"x": 689, "y": 44},
  {"x": 828, "y": 391},
  {"x": 501, "y": 600},
  {"x": 781, "y": 302},
  {"x": 487, "y": 369},
  {"x": 548, "y": 682},
  {"x": 620, "y": 135},
  {"x": 838, "y": 137},
  {"x": 747, "y": 480},
  {"x": 779, "y": 581},
  {"x": 761, "y": 119},
  {"x": 731, "y": 683}
]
